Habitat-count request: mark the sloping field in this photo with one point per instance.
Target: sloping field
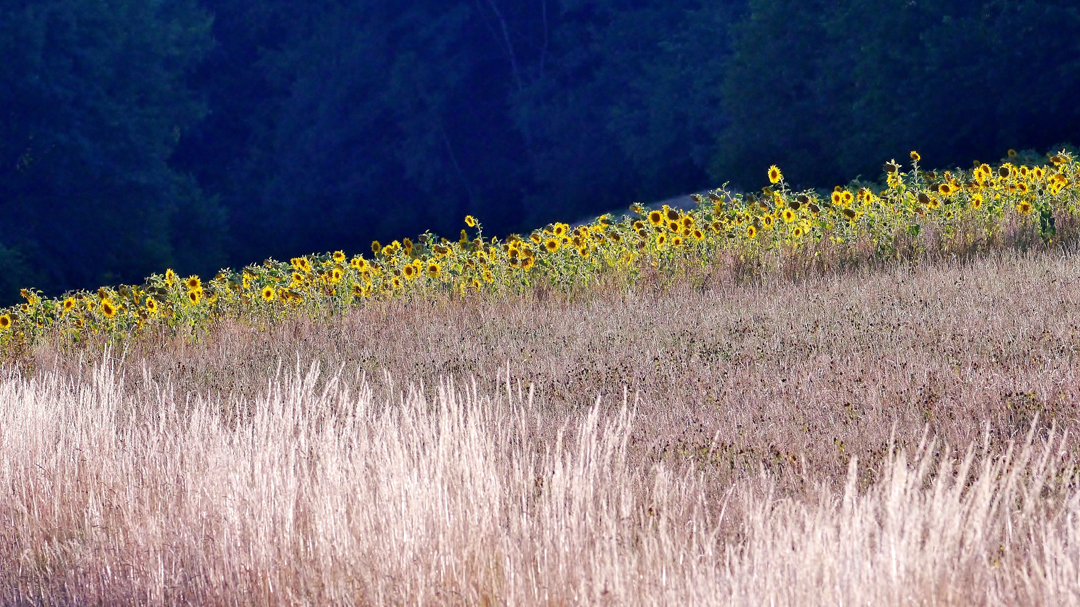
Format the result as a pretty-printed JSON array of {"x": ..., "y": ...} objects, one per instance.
[{"x": 894, "y": 437}]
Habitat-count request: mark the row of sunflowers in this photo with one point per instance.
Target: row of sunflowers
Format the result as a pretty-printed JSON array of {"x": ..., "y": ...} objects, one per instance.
[{"x": 1030, "y": 189}]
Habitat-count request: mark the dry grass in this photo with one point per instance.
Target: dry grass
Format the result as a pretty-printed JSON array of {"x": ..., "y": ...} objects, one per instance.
[{"x": 695, "y": 443}]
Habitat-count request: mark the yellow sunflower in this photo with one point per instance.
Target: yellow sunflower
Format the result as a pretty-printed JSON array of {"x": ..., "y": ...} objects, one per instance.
[{"x": 774, "y": 174}]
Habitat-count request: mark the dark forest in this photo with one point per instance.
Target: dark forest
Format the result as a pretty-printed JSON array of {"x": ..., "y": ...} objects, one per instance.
[{"x": 137, "y": 135}]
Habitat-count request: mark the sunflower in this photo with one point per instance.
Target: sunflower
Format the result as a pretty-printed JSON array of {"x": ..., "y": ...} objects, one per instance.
[
  {"x": 751, "y": 231},
  {"x": 410, "y": 272},
  {"x": 170, "y": 277},
  {"x": 774, "y": 174},
  {"x": 976, "y": 201},
  {"x": 336, "y": 274},
  {"x": 488, "y": 276},
  {"x": 656, "y": 217},
  {"x": 698, "y": 234},
  {"x": 108, "y": 308},
  {"x": 847, "y": 197},
  {"x": 357, "y": 291},
  {"x": 69, "y": 304},
  {"x": 268, "y": 293},
  {"x": 677, "y": 241},
  {"x": 915, "y": 156},
  {"x": 395, "y": 283},
  {"x": 433, "y": 269},
  {"x": 151, "y": 305},
  {"x": 767, "y": 222},
  {"x": 674, "y": 226},
  {"x": 1011, "y": 153},
  {"x": 661, "y": 239},
  {"x": 375, "y": 247},
  {"x": 470, "y": 221},
  {"x": 797, "y": 232},
  {"x": 788, "y": 215},
  {"x": 837, "y": 197},
  {"x": 946, "y": 189},
  {"x": 1024, "y": 207},
  {"x": 339, "y": 256},
  {"x": 527, "y": 263},
  {"x": 5, "y": 322},
  {"x": 194, "y": 296}
]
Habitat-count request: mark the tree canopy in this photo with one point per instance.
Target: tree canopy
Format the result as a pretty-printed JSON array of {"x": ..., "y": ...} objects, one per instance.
[{"x": 195, "y": 134}]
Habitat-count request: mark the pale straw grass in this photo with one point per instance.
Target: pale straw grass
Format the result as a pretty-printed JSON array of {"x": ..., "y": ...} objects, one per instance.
[{"x": 119, "y": 490}]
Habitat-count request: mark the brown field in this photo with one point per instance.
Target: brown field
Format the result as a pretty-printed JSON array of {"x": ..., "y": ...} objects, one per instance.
[{"x": 900, "y": 436}]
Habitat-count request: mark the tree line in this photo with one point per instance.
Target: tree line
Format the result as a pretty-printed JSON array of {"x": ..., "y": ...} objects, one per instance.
[{"x": 137, "y": 135}]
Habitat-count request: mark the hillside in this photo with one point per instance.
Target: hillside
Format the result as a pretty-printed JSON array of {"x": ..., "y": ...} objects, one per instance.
[{"x": 800, "y": 440}]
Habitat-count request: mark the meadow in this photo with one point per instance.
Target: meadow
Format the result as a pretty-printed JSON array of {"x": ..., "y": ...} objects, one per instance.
[{"x": 855, "y": 397}]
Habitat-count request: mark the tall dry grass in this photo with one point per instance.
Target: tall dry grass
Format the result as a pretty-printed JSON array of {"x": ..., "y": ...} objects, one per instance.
[{"x": 889, "y": 437}]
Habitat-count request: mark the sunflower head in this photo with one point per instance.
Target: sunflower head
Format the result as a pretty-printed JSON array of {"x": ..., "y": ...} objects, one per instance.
[
  {"x": 268, "y": 293},
  {"x": 339, "y": 256},
  {"x": 915, "y": 156},
  {"x": 108, "y": 308},
  {"x": 151, "y": 305},
  {"x": 655, "y": 217},
  {"x": 774, "y": 174},
  {"x": 433, "y": 270},
  {"x": 470, "y": 221}
]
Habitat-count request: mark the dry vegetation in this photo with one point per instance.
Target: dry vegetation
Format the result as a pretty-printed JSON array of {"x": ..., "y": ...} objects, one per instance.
[{"x": 899, "y": 436}]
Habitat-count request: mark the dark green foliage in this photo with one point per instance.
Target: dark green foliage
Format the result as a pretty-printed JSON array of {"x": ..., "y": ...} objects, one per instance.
[
  {"x": 136, "y": 136},
  {"x": 93, "y": 99},
  {"x": 830, "y": 89}
]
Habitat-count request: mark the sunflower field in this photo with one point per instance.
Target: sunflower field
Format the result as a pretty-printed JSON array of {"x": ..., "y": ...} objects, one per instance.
[{"x": 889, "y": 218}]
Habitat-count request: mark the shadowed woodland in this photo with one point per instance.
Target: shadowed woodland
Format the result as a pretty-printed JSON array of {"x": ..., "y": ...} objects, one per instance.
[{"x": 136, "y": 136}]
